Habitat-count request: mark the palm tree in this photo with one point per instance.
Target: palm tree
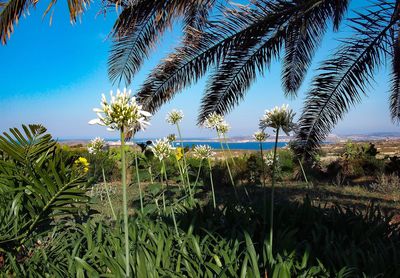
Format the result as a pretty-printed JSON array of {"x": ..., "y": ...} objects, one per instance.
[
  {"x": 239, "y": 42},
  {"x": 12, "y": 10}
]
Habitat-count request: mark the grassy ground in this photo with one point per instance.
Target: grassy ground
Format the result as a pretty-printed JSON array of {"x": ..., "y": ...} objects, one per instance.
[{"x": 322, "y": 195}]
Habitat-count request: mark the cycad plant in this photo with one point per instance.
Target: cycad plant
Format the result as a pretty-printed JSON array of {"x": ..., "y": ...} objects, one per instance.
[
  {"x": 39, "y": 184},
  {"x": 125, "y": 115}
]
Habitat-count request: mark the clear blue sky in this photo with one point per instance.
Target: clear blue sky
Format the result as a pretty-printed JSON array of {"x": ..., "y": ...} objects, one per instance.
[{"x": 55, "y": 75}]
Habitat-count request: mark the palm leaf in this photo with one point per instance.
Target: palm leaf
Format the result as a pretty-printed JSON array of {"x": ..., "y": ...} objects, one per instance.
[
  {"x": 11, "y": 11},
  {"x": 305, "y": 33},
  {"x": 140, "y": 26},
  {"x": 344, "y": 78},
  {"x": 237, "y": 32},
  {"x": 395, "y": 89}
]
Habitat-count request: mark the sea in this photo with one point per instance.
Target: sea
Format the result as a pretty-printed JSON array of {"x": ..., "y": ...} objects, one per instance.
[
  {"x": 233, "y": 145},
  {"x": 246, "y": 145}
]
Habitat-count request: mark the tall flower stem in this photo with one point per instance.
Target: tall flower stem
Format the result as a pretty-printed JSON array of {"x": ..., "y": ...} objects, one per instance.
[
  {"x": 184, "y": 158},
  {"x": 304, "y": 173},
  {"x": 229, "y": 149},
  {"x": 171, "y": 207},
  {"x": 138, "y": 181},
  {"x": 212, "y": 183},
  {"x": 198, "y": 174},
  {"x": 272, "y": 190},
  {"x": 125, "y": 203},
  {"x": 151, "y": 175},
  {"x": 227, "y": 166},
  {"x": 180, "y": 172},
  {"x": 263, "y": 180},
  {"x": 108, "y": 193},
  {"x": 164, "y": 173}
]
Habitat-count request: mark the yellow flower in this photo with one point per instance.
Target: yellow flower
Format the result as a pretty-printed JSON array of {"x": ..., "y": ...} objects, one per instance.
[
  {"x": 179, "y": 153},
  {"x": 82, "y": 163}
]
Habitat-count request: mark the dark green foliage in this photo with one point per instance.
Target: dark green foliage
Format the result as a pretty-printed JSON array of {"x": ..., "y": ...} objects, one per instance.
[
  {"x": 38, "y": 184},
  {"x": 392, "y": 165}
]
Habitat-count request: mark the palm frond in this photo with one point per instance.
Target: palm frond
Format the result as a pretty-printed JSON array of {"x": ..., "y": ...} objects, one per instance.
[
  {"x": 304, "y": 35},
  {"x": 395, "y": 88},
  {"x": 135, "y": 33},
  {"x": 140, "y": 26},
  {"x": 11, "y": 11},
  {"x": 238, "y": 71},
  {"x": 237, "y": 32},
  {"x": 344, "y": 78},
  {"x": 239, "y": 68},
  {"x": 191, "y": 61}
]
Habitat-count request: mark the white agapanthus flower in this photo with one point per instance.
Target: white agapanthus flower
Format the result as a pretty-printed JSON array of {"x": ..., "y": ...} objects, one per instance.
[
  {"x": 122, "y": 112},
  {"x": 96, "y": 145},
  {"x": 174, "y": 117},
  {"x": 278, "y": 117},
  {"x": 171, "y": 138},
  {"x": 223, "y": 128},
  {"x": 161, "y": 149},
  {"x": 269, "y": 159},
  {"x": 213, "y": 121},
  {"x": 260, "y": 136},
  {"x": 203, "y": 152}
]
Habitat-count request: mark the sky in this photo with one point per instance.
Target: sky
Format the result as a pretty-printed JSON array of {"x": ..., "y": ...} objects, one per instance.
[{"x": 55, "y": 75}]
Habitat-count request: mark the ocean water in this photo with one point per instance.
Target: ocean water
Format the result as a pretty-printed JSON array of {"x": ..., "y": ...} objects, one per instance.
[{"x": 233, "y": 145}]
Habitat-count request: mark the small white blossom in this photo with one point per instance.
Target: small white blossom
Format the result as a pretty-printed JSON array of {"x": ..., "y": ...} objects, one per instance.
[
  {"x": 121, "y": 113},
  {"x": 278, "y": 117},
  {"x": 213, "y": 121},
  {"x": 223, "y": 128},
  {"x": 171, "y": 138},
  {"x": 174, "y": 117},
  {"x": 161, "y": 149},
  {"x": 203, "y": 152},
  {"x": 96, "y": 145},
  {"x": 269, "y": 159},
  {"x": 260, "y": 136}
]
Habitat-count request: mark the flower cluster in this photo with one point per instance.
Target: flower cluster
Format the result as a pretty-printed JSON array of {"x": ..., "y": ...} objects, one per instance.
[
  {"x": 96, "y": 145},
  {"x": 269, "y": 159},
  {"x": 161, "y": 149},
  {"x": 223, "y": 128},
  {"x": 82, "y": 163},
  {"x": 174, "y": 117},
  {"x": 203, "y": 152},
  {"x": 213, "y": 121},
  {"x": 171, "y": 138},
  {"x": 278, "y": 117},
  {"x": 260, "y": 136},
  {"x": 121, "y": 113}
]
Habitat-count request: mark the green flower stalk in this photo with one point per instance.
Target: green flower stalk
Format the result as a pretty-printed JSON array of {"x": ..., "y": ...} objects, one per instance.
[
  {"x": 162, "y": 149},
  {"x": 124, "y": 114},
  {"x": 279, "y": 118},
  {"x": 96, "y": 146},
  {"x": 216, "y": 121},
  {"x": 260, "y": 136},
  {"x": 204, "y": 152},
  {"x": 174, "y": 118}
]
